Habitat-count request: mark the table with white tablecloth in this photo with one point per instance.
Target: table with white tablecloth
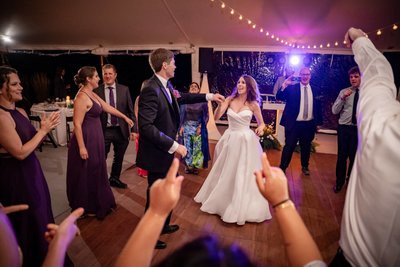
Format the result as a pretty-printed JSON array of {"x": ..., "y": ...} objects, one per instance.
[{"x": 60, "y": 132}]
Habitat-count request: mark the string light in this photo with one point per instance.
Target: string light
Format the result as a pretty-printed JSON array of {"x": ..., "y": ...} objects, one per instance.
[{"x": 378, "y": 32}]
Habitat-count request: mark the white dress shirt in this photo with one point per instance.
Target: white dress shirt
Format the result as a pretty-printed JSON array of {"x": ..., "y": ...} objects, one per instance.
[
  {"x": 370, "y": 230},
  {"x": 310, "y": 114}
]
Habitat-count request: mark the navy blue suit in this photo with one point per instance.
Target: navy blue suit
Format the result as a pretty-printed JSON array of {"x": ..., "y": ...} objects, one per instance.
[
  {"x": 297, "y": 131},
  {"x": 159, "y": 121}
]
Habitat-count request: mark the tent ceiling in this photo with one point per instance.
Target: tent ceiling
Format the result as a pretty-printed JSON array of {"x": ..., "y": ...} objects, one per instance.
[{"x": 133, "y": 24}]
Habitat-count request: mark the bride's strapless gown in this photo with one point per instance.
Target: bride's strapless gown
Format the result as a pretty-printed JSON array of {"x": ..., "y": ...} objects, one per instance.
[{"x": 230, "y": 190}]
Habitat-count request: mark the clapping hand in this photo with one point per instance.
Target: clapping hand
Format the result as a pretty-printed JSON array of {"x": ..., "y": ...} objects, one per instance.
[
  {"x": 274, "y": 188},
  {"x": 48, "y": 123},
  {"x": 170, "y": 190}
]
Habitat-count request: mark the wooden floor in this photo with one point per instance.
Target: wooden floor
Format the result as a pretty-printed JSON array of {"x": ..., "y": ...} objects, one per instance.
[{"x": 101, "y": 241}]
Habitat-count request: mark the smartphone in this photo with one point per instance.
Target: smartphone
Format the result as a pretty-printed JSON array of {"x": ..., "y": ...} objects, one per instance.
[{"x": 295, "y": 79}]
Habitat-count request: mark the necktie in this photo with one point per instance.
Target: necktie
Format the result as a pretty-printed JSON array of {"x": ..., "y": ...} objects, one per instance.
[
  {"x": 114, "y": 119},
  {"x": 168, "y": 91},
  {"x": 305, "y": 94},
  {"x": 353, "y": 116}
]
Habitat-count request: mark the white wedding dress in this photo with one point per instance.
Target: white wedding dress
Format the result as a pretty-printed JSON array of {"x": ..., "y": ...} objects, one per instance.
[{"x": 230, "y": 190}]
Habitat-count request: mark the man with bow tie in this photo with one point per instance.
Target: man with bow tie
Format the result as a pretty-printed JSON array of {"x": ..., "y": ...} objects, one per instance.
[{"x": 159, "y": 120}]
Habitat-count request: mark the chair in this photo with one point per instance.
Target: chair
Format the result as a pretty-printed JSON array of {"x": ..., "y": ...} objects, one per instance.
[
  {"x": 67, "y": 121},
  {"x": 49, "y": 135}
]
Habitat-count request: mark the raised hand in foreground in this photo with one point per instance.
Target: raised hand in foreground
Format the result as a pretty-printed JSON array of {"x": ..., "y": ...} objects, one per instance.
[
  {"x": 300, "y": 246},
  {"x": 60, "y": 237},
  {"x": 138, "y": 251}
]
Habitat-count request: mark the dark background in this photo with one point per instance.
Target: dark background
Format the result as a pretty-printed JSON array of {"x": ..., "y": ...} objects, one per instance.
[{"x": 329, "y": 72}]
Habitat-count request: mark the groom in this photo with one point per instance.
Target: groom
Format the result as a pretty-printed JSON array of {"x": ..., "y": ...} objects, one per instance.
[{"x": 158, "y": 120}]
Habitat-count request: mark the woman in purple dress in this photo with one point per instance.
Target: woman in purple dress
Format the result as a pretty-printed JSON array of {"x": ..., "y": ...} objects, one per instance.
[
  {"x": 87, "y": 183},
  {"x": 21, "y": 176}
]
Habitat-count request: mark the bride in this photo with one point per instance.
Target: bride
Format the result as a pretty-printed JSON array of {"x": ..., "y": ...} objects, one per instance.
[{"x": 230, "y": 190}]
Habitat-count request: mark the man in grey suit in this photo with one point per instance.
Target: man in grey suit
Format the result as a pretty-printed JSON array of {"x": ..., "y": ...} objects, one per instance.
[{"x": 116, "y": 131}]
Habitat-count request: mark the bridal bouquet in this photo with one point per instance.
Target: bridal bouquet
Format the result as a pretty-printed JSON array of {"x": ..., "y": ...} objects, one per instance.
[{"x": 268, "y": 139}]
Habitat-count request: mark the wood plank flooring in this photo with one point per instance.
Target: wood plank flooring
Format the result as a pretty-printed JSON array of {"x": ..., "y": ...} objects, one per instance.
[{"x": 101, "y": 241}]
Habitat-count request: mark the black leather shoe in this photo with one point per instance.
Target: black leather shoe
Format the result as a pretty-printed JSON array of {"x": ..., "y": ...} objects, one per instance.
[
  {"x": 336, "y": 189},
  {"x": 161, "y": 245},
  {"x": 170, "y": 229},
  {"x": 305, "y": 171},
  {"x": 117, "y": 183}
]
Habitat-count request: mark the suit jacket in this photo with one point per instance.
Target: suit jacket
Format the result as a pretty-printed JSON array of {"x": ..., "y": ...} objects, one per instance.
[
  {"x": 158, "y": 124},
  {"x": 124, "y": 105},
  {"x": 291, "y": 95}
]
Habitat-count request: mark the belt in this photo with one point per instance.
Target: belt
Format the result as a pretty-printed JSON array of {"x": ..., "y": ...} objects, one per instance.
[{"x": 112, "y": 127}]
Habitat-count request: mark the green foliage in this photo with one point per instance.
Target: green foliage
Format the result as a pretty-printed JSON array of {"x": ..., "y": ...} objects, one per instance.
[{"x": 313, "y": 147}]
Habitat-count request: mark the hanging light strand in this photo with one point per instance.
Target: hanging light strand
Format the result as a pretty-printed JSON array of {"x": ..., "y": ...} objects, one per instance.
[{"x": 327, "y": 44}]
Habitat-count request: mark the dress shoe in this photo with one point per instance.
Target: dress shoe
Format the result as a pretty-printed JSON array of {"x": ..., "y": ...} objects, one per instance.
[
  {"x": 161, "y": 245},
  {"x": 170, "y": 229},
  {"x": 336, "y": 189},
  {"x": 305, "y": 171},
  {"x": 117, "y": 183}
]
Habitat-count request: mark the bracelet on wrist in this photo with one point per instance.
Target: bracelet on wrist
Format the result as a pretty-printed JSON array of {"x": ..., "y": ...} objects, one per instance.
[{"x": 283, "y": 204}]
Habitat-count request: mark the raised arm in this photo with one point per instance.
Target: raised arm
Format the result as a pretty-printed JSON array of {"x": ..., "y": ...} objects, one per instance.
[
  {"x": 299, "y": 245},
  {"x": 12, "y": 143},
  {"x": 138, "y": 251},
  {"x": 222, "y": 107}
]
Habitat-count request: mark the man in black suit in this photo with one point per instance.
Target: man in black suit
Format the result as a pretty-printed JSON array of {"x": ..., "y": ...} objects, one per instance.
[
  {"x": 116, "y": 131},
  {"x": 300, "y": 117},
  {"x": 159, "y": 122}
]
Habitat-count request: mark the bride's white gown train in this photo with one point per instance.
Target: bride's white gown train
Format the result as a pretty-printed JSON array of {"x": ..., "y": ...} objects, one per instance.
[{"x": 230, "y": 189}]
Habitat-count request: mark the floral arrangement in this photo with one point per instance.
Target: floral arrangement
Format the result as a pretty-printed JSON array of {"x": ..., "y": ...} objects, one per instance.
[
  {"x": 313, "y": 147},
  {"x": 268, "y": 139}
]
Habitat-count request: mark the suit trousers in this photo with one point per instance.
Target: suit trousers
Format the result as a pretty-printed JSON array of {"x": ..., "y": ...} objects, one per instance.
[
  {"x": 113, "y": 135},
  {"x": 347, "y": 148},
  {"x": 302, "y": 132},
  {"x": 152, "y": 178}
]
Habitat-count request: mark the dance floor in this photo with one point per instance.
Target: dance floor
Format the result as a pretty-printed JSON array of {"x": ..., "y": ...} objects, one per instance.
[{"x": 101, "y": 241}]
